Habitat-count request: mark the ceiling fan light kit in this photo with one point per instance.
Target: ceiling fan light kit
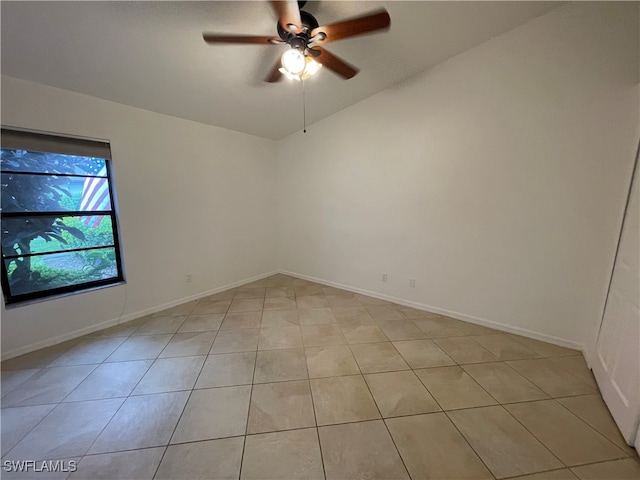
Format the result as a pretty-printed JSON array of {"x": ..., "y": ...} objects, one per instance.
[{"x": 297, "y": 66}]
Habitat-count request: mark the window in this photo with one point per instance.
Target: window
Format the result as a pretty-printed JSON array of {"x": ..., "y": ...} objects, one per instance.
[{"x": 59, "y": 224}]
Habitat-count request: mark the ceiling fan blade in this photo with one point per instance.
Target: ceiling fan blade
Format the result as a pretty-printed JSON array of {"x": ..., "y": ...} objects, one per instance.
[
  {"x": 274, "y": 74},
  {"x": 335, "y": 64},
  {"x": 288, "y": 14},
  {"x": 251, "y": 39},
  {"x": 351, "y": 28}
]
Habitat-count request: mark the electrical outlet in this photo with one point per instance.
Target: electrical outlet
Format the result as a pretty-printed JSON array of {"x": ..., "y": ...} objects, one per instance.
[
  {"x": 187, "y": 278},
  {"x": 384, "y": 277},
  {"x": 412, "y": 282}
]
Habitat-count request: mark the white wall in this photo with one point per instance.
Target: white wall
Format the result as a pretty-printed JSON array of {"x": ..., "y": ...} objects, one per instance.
[
  {"x": 497, "y": 180},
  {"x": 192, "y": 199}
]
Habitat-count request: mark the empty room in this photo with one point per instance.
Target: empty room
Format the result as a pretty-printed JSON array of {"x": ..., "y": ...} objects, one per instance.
[{"x": 320, "y": 240}]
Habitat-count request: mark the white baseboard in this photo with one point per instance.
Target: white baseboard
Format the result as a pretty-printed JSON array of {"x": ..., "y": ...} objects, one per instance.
[
  {"x": 449, "y": 313},
  {"x": 125, "y": 318},
  {"x": 419, "y": 306}
]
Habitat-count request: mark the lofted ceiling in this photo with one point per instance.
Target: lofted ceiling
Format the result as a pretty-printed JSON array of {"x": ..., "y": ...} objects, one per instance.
[{"x": 151, "y": 55}]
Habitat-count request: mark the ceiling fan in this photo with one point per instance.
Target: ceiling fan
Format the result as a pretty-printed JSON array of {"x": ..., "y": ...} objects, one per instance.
[{"x": 301, "y": 31}]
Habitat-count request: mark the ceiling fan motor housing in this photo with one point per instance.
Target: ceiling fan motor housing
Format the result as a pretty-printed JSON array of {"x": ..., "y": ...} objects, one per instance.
[{"x": 301, "y": 38}]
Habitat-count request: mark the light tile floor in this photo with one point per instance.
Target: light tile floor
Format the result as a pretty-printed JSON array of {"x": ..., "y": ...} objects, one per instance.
[{"x": 284, "y": 378}]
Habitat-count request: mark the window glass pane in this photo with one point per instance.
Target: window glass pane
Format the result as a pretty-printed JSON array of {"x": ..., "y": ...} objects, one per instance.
[
  {"x": 22, "y": 236},
  {"x": 44, "y": 193},
  {"x": 50, "y": 241},
  {"x": 25, "y": 161},
  {"x": 46, "y": 272}
]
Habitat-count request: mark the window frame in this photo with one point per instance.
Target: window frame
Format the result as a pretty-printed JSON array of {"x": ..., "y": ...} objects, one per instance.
[{"x": 41, "y": 295}]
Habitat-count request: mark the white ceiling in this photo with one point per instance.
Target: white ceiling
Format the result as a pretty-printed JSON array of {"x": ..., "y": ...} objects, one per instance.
[{"x": 151, "y": 54}]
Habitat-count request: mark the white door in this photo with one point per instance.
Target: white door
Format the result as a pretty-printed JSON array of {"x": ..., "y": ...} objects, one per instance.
[{"x": 617, "y": 360}]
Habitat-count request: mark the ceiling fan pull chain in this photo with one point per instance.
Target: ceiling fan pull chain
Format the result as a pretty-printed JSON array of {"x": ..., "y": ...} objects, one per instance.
[{"x": 304, "y": 109}]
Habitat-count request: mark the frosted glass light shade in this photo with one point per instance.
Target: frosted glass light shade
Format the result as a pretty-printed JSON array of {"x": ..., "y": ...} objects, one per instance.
[
  {"x": 311, "y": 68},
  {"x": 293, "y": 61}
]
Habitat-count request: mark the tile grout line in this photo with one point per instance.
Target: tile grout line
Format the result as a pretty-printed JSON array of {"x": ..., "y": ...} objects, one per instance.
[
  {"x": 603, "y": 461},
  {"x": 591, "y": 426},
  {"x": 166, "y": 447},
  {"x": 386, "y": 426},
  {"x": 519, "y": 375},
  {"x": 469, "y": 443},
  {"x": 351, "y": 423},
  {"x": 535, "y": 473},
  {"x": 246, "y": 425},
  {"x": 533, "y": 435},
  {"x": 565, "y": 369},
  {"x": 315, "y": 416},
  {"x": 581, "y": 422}
]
